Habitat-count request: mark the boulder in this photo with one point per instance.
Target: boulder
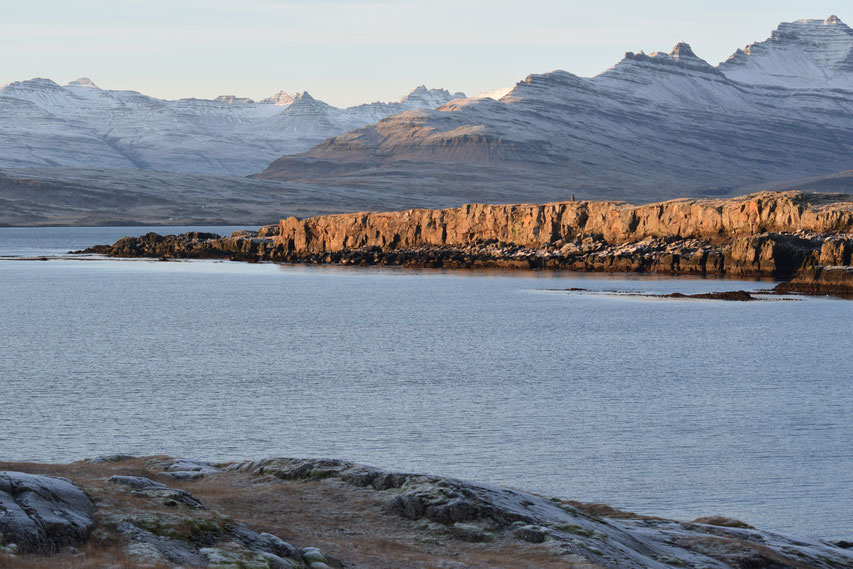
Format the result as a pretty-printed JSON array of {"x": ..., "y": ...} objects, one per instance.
[{"x": 42, "y": 514}]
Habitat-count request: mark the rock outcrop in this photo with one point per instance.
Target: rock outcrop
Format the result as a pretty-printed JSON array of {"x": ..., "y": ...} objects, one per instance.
[
  {"x": 531, "y": 225},
  {"x": 368, "y": 517},
  {"x": 769, "y": 234},
  {"x": 42, "y": 514}
]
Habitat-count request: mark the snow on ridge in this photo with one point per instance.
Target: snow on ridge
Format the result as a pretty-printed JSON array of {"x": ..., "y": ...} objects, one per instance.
[
  {"x": 496, "y": 94},
  {"x": 82, "y": 82},
  {"x": 79, "y": 124},
  {"x": 801, "y": 54}
]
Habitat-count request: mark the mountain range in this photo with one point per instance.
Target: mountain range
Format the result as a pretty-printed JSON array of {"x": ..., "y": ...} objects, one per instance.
[
  {"x": 653, "y": 123},
  {"x": 775, "y": 115},
  {"x": 80, "y": 125}
]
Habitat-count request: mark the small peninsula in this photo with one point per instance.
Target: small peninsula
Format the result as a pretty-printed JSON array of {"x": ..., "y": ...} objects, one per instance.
[{"x": 803, "y": 238}]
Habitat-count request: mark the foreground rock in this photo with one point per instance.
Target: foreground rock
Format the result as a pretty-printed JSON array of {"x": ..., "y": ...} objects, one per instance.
[
  {"x": 317, "y": 514},
  {"x": 779, "y": 235},
  {"x": 42, "y": 513}
]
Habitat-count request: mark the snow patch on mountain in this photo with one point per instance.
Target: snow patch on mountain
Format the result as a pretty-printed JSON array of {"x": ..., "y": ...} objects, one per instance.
[
  {"x": 496, "y": 94},
  {"x": 805, "y": 54}
]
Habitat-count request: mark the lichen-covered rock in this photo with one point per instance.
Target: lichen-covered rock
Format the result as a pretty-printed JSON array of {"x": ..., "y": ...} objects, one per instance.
[
  {"x": 136, "y": 482},
  {"x": 41, "y": 513},
  {"x": 145, "y": 486},
  {"x": 186, "y": 469},
  {"x": 530, "y": 533}
]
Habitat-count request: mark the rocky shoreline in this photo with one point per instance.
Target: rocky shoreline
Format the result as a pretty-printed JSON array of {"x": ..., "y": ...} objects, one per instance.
[
  {"x": 804, "y": 238},
  {"x": 286, "y": 513}
]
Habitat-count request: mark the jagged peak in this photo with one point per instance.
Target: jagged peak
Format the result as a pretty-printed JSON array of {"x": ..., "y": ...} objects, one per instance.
[
  {"x": 823, "y": 48},
  {"x": 830, "y": 21},
  {"x": 281, "y": 98},
  {"x": 682, "y": 50},
  {"x": 681, "y": 56},
  {"x": 83, "y": 82},
  {"x": 419, "y": 90},
  {"x": 422, "y": 92}
]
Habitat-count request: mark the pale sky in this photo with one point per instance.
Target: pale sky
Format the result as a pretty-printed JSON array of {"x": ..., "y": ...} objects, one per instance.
[{"x": 347, "y": 52}]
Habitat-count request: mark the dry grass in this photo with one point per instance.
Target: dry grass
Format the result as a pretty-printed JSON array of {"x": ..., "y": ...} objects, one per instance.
[
  {"x": 90, "y": 556},
  {"x": 344, "y": 521},
  {"x": 604, "y": 511},
  {"x": 740, "y": 553}
]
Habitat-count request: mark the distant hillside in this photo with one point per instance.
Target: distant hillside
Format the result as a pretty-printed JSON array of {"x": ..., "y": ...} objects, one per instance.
[
  {"x": 650, "y": 127},
  {"x": 79, "y": 125}
]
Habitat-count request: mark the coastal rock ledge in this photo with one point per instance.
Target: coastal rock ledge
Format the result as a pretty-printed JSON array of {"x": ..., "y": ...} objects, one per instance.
[
  {"x": 804, "y": 237},
  {"x": 285, "y": 513}
]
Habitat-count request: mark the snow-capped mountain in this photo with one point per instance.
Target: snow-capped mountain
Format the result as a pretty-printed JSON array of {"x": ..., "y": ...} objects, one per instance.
[
  {"x": 666, "y": 121},
  {"x": 81, "y": 125}
]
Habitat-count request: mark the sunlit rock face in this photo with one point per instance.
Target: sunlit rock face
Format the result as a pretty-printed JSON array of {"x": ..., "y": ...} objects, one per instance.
[
  {"x": 653, "y": 122},
  {"x": 535, "y": 225},
  {"x": 80, "y": 125}
]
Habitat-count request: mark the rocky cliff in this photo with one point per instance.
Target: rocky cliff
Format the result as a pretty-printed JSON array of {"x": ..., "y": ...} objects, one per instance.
[
  {"x": 779, "y": 235},
  {"x": 535, "y": 225}
]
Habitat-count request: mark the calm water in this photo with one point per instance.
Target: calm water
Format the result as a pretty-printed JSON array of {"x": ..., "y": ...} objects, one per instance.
[{"x": 669, "y": 407}]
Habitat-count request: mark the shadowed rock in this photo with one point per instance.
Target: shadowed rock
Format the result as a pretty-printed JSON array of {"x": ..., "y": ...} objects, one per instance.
[{"x": 41, "y": 513}]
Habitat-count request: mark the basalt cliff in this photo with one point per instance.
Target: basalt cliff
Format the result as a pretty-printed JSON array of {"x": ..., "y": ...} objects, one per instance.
[{"x": 803, "y": 237}]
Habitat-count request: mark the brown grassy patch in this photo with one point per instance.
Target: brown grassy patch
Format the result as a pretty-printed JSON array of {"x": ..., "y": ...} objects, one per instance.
[
  {"x": 90, "y": 556},
  {"x": 604, "y": 511},
  {"x": 346, "y": 522},
  {"x": 740, "y": 553}
]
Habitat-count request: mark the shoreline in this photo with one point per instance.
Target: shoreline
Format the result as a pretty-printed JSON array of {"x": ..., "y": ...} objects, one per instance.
[
  {"x": 320, "y": 513},
  {"x": 806, "y": 239}
]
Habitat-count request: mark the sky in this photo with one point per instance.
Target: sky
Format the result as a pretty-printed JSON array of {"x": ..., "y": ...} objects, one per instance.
[{"x": 348, "y": 52}]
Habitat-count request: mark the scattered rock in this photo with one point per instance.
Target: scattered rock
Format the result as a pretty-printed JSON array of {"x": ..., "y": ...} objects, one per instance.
[
  {"x": 136, "y": 482},
  {"x": 736, "y": 295},
  {"x": 469, "y": 532},
  {"x": 184, "y": 469}
]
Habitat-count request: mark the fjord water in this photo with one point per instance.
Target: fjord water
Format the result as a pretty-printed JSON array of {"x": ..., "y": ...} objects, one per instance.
[{"x": 678, "y": 408}]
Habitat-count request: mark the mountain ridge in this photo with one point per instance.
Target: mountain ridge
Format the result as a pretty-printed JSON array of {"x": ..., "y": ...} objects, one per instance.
[
  {"x": 667, "y": 119},
  {"x": 79, "y": 124}
]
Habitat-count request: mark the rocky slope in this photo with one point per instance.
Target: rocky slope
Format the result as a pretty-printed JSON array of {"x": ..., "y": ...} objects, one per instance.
[
  {"x": 650, "y": 125},
  {"x": 82, "y": 126},
  {"x": 780, "y": 235},
  {"x": 287, "y": 513}
]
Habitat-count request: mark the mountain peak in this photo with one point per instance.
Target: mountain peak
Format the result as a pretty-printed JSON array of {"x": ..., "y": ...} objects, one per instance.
[
  {"x": 423, "y": 97},
  {"x": 682, "y": 50},
  {"x": 281, "y": 98},
  {"x": 804, "y": 53},
  {"x": 82, "y": 82}
]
